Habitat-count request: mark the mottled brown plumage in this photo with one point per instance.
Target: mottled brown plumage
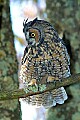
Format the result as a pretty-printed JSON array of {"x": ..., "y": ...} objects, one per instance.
[{"x": 45, "y": 60}]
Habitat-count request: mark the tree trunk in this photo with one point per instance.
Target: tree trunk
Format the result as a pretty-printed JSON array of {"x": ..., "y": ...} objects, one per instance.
[
  {"x": 65, "y": 17},
  {"x": 9, "y": 109}
]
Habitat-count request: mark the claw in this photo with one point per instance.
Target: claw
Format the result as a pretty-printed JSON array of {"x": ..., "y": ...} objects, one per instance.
[
  {"x": 32, "y": 82},
  {"x": 50, "y": 79}
]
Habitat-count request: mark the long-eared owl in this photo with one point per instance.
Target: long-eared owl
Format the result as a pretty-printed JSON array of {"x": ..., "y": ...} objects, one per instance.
[{"x": 45, "y": 60}]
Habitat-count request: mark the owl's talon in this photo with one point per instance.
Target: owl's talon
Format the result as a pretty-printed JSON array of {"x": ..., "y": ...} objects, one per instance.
[
  {"x": 54, "y": 82},
  {"x": 32, "y": 82}
]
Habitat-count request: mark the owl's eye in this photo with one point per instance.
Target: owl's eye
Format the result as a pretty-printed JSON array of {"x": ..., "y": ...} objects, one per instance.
[{"x": 32, "y": 35}]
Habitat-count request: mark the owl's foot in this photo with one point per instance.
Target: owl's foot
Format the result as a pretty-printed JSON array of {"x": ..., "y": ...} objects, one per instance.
[
  {"x": 32, "y": 82},
  {"x": 53, "y": 79},
  {"x": 32, "y": 86}
]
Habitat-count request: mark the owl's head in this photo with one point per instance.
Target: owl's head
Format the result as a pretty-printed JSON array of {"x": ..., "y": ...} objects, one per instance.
[{"x": 37, "y": 31}]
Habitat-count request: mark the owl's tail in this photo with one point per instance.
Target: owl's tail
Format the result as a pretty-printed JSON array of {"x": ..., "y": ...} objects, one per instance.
[
  {"x": 59, "y": 96},
  {"x": 47, "y": 99},
  {"x": 53, "y": 97}
]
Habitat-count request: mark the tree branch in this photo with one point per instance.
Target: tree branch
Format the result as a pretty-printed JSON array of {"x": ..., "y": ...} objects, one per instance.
[{"x": 20, "y": 93}]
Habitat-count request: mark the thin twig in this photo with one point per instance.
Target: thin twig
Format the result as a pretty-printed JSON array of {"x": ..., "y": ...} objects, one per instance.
[{"x": 20, "y": 93}]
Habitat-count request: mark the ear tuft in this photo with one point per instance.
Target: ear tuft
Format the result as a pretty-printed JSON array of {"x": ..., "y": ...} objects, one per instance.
[{"x": 25, "y": 22}]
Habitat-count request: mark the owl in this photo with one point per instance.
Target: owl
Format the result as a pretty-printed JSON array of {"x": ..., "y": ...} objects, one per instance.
[{"x": 45, "y": 60}]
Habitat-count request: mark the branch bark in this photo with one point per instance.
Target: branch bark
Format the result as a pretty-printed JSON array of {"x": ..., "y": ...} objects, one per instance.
[{"x": 20, "y": 93}]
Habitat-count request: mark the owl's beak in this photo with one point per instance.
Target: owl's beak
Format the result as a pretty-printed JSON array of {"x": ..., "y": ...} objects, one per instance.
[
  {"x": 27, "y": 35},
  {"x": 31, "y": 42}
]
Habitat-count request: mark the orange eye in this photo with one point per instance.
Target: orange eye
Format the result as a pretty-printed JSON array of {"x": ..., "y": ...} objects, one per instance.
[{"x": 32, "y": 34}]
